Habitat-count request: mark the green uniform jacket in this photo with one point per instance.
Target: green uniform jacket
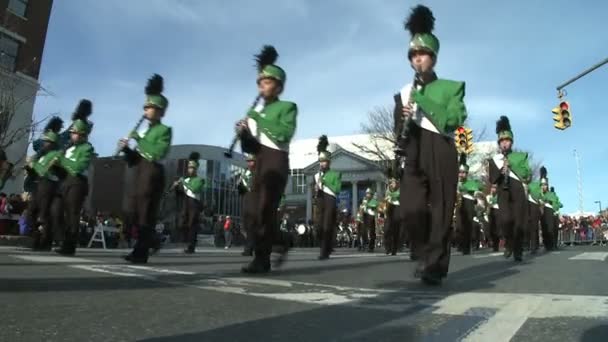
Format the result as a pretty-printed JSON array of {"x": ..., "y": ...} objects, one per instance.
[
  {"x": 42, "y": 165},
  {"x": 393, "y": 196},
  {"x": 470, "y": 186},
  {"x": 332, "y": 181},
  {"x": 277, "y": 121},
  {"x": 154, "y": 144},
  {"x": 76, "y": 159},
  {"x": 371, "y": 206},
  {"x": 443, "y": 103},
  {"x": 550, "y": 200},
  {"x": 518, "y": 163},
  {"x": 492, "y": 200},
  {"x": 557, "y": 204},
  {"x": 193, "y": 186},
  {"x": 534, "y": 191}
]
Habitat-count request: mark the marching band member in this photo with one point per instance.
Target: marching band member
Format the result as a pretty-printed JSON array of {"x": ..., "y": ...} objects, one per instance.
[
  {"x": 75, "y": 163},
  {"x": 535, "y": 208},
  {"x": 557, "y": 205},
  {"x": 370, "y": 208},
  {"x": 547, "y": 218},
  {"x": 191, "y": 188},
  {"x": 492, "y": 210},
  {"x": 267, "y": 133},
  {"x": 466, "y": 212},
  {"x": 392, "y": 222},
  {"x": 328, "y": 185},
  {"x": 426, "y": 113},
  {"x": 244, "y": 188},
  {"x": 152, "y": 146},
  {"x": 511, "y": 172},
  {"x": 42, "y": 169}
]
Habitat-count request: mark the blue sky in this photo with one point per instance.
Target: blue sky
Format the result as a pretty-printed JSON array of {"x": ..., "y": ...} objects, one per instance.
[{"x": 343, "y": 57}]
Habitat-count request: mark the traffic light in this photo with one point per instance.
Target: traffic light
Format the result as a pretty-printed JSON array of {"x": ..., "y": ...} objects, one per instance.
[
  {"x": 562, "y": 116},
  {"x": 464, "y": 139},
  {"x": 460, "y": 137},
  {"x": 469, "y": 144}
]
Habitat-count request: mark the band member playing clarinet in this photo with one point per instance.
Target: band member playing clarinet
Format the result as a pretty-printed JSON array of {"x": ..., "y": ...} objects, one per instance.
[
  {"x": 190, "y": 188},
  {"x": 465, "y": 224},
  {"x": 328, "y": 185},
  {"x": 42, "y": 168},
  {"x": 511, "y": 172},
  {"x": 244, "y": 188},
  {"x": 431, "y": 111},
  {"x": 152, "y": 146},
  {"x": 393, "y": 223},
  {"x": 75, "y": 187},
  {"x": 535, "y": 209},
  {"x": 267, "y": 132},
  {"x": 492, "y": 209}
]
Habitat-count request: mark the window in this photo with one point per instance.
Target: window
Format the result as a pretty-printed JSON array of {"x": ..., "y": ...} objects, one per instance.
[
  {"x": 19, "y": 7},
  {"x": 298, "y": 182},
  {"x": 8, "y": 52}
]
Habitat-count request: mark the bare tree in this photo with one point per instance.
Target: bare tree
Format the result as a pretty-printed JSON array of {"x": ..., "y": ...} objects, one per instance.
[
  {"x": 14, "y": 95},
  {"x": 379, "y": 126}
]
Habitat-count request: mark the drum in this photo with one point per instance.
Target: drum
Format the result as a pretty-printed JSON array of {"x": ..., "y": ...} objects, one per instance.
[{"x": 301, "y": 229}]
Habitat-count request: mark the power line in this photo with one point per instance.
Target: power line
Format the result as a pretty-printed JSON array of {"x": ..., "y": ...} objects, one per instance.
[{"x": 579, "y": 181}]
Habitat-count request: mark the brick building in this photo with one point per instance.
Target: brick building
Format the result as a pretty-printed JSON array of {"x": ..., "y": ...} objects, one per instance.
[{"x": 23, "y": 28}]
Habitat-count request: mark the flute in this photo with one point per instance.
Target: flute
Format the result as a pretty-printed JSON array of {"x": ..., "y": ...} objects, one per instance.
[{"x": 139, "y": 122}]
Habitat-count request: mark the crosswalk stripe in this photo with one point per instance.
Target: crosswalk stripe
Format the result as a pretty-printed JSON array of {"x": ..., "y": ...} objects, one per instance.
[
  {"x": 599, "y": 256},
  {"x": 52, "y": 259},
  {"x": 481, "y": 256}
]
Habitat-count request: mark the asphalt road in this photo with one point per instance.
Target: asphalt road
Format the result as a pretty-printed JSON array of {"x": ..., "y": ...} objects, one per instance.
[{"x": 95, "y": 296}]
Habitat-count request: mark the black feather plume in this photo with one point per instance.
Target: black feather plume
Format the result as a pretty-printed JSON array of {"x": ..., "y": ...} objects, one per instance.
[
  {"x": 463, "y": 159},
  {"x": 55, "y": 124},
  {"x": 267, "y": 56},
  {"x": 421, "y": 20},
  {"x": 323, "y": 143},
  {"x": 503, "y": 124},
  {"x": 552, "y": 189},
  {"x": 543, "y": 172},
  {"x": 194, "y": 156},
  {"x": 84, "y": 109},
  {"x": 155, "y": 85}
]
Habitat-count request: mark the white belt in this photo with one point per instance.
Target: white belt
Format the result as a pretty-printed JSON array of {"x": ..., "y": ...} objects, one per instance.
[
  {"x": 371, "y": 212},
  {"x": 395, "y": 202},
  {"x": 499, "y": 161},
  {"x": 495, "y": 206},
  {"x": 263, "y": 138},
  {"x": 468, "y": 196},
  {"x": 191, "y": 194},
  {"x": 532, "y": 199},
  {"x": 419, "y": 117}
]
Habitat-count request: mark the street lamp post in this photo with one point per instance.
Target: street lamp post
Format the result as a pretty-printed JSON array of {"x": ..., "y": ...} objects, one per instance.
[{"x": 600, "y": 204}]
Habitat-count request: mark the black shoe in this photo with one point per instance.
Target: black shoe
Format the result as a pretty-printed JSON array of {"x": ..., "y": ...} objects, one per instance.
[
  {"x": 495, "y": 249},
  {"x": 256, "y": 267},
  {"x": 534, "y": 252},
  {"x": 66, "y": 250},
  {"x": 413, "y": 257},
  {"x": 247, "y": 253},
  {"x": 189, "y": 250},
  {"x": 518, "y": 257},
  {"x": 419, "y": 271},
  {"x": 432, "y": 279},
  {"x": 466, "y": 252},
  {"x": 394, "y": 253},
  {"x": 135, "y": 259},
  {"x": 323, "y": 257},
  {"x": 507, "y": 254}
]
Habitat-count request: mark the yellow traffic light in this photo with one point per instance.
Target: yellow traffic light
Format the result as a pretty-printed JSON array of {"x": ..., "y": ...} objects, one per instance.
[
  {"x": 469, "y": 143},
  {"x": 562, "y": 116}
]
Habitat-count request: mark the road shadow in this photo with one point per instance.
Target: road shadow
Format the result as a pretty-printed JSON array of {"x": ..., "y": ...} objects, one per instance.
[{"x": 596, "y": 334}]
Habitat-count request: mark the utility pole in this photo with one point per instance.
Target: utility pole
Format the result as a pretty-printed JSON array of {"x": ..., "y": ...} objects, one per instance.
[
  {"x": 600, "y": 204},
  {"x": 579, "y": 181},
  {"x": 575, "y": 78}
]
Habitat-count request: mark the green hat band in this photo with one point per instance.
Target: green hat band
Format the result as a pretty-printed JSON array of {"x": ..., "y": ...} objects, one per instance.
[
  {"x": 324, "y": 156},
  {"x": 505, "y": 135},
  {"x": 50, "y": 137},
  {"x": 80, "y": 127},
  {"x": 273, "y": 71},
  {"x": 158, "y": 101},
  {"x": 424, "y": 41}
]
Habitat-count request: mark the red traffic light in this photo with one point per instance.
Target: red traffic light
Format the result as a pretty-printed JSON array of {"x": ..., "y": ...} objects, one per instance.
[
  {"x": 564, "y": 106},
  {"x": 461, "y": 129}
]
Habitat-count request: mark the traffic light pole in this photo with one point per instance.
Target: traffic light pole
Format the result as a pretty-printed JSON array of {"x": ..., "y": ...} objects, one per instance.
[{"x": 562, "y": 86}]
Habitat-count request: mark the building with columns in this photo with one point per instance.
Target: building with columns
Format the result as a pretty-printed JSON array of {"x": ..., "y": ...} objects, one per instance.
[
  {"x": 351, "y": 155},
  {"x": 360, "y": 159}
]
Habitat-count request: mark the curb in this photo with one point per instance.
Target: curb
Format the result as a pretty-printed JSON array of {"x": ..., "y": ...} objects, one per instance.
[{"x": 15, "y": 240}]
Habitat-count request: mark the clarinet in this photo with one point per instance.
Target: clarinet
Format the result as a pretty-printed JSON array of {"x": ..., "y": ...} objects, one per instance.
[
  {"x": 228, "y": 154},
  {"x": 139, "y": 122},
  {"x": 505, "y": 180},
  {"x": 405, "y": 130}
]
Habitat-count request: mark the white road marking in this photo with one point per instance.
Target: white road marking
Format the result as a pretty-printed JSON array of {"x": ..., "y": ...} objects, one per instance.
[
  {"x": 481, "y": 256},
  {"x": 514, "y": 309},
  {"x": 129, "y": 270},
  {"x": 52, "y": 259},
  {"x": 600, "y": 256}
]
